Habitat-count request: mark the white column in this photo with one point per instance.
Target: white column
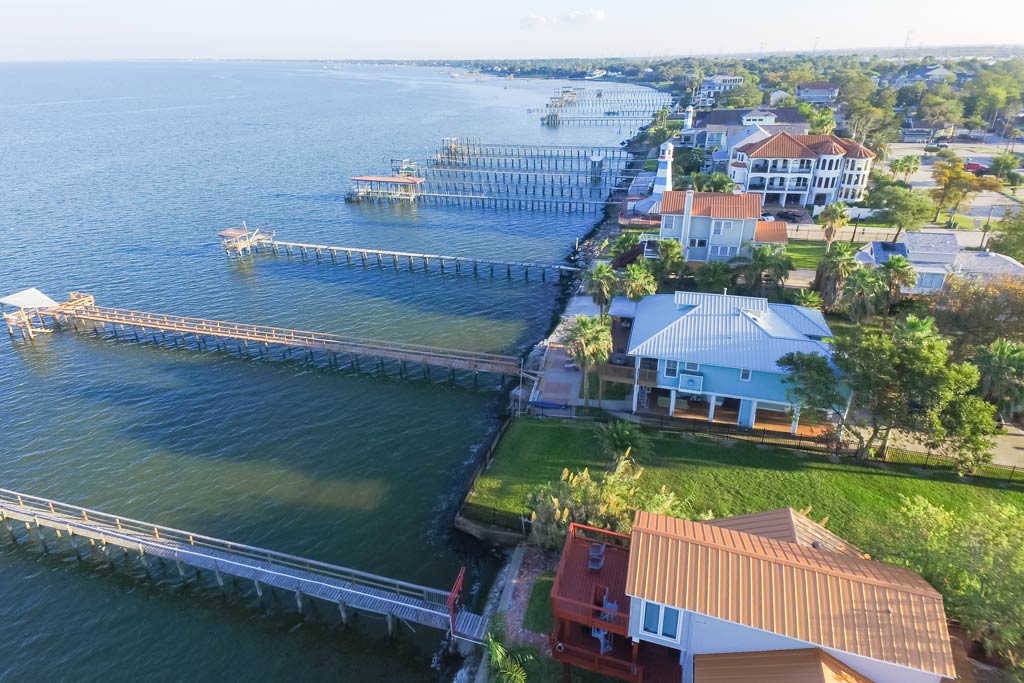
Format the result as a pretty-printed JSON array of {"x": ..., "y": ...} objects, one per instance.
[
  {"x": 753, "y": 413},
  {"x": 796, "y": 420},
  {"x": 636, "y": 381},
  {"x": 711, "y": 409},
  {"x": 671, "y": 402}
]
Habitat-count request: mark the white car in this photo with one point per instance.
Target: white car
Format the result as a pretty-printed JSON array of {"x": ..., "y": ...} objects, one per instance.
[{"x": 767, "y": 217}]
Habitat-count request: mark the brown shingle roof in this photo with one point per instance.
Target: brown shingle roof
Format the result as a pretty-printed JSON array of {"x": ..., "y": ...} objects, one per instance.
[
  {"x": 714, "y": 204},
  {"x": 770, "y": 232},
  {"x": 860, "y": 606},
  {"x": 809, "y": 665},
  {"x": 786, "y": 524}
]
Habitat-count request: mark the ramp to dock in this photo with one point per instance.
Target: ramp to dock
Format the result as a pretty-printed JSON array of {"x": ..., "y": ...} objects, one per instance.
[{"x": 348, "y": 589}]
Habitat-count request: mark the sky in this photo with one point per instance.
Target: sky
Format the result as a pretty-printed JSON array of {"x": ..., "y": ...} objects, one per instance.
[{"x": 45, "y": 30}]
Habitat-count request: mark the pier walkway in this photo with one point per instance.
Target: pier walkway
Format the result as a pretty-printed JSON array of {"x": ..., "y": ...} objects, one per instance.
[
  {"x": 242, "y": 241},
  {"x": 350, "y": 590},
  {"x": 81, "y": 312}
]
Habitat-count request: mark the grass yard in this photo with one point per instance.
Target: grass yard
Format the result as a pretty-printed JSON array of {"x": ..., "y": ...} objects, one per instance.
[
  {"x": 613, "y": 391},
  {"x": 731, "y": 478},
  {"x": 538, "y": 617},
  {"x": 807, "y": 253}
]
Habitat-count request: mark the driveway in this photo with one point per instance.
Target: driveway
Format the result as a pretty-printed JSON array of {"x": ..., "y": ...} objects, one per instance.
[{"x": 1010, "y": 447}]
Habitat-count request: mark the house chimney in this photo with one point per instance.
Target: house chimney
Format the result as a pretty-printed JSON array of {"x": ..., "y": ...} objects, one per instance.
[{"x": 688, "y": 203}]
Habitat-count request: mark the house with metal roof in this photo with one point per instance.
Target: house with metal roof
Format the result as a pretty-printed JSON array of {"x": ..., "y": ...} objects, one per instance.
[
  {"x": 771, "y": 597},
  {"x": 938, "y": 256},
  {"x": 715, "y": 356}
]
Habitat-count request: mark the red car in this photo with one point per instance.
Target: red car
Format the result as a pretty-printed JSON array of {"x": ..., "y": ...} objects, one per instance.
[{"x": 975, "y": 168}]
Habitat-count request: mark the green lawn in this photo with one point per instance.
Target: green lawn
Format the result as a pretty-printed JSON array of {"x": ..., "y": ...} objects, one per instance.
[
  {"x": 613, "y": 391},
  {"x": 807, "y": 253},
  {"x": 538, "y": 617},
  {"x": 730, "y": 479}
]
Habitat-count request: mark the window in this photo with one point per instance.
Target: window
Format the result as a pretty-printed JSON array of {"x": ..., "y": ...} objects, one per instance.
[
  {"x": 659, "y": 621},
  {"x": 691, "y": 367},
  {"x": 745, "y": 375},
  {"x": 698, "y": 243},
  {"x": 718, "y": 226},
  {"x": 671, "y": 368},
  {"x": 652, "y": 617}
]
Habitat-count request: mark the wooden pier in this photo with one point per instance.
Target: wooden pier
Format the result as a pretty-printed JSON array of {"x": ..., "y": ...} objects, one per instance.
[
  {"x": 190, "y": 556},
  {"x": 82, "y": 314},
  {"x": 257, "y": 242}
]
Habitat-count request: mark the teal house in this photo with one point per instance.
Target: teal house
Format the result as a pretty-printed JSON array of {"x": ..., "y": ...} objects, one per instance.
[{"x": 714, "y": 356}]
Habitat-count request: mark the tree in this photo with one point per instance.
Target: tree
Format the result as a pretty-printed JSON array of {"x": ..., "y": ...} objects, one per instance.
[
  {"x": 507, "y": 665},
  {"x": 833, "y": 217},
  {"x": 956, "y": 184},
  {"x": 939, "y": 111},
  {"x": 622, "y": 438},
  {"x": 976, "y": 312},
  {"x": 588, "y": 341},
  {"x": 862, "y": 293},
  {"x": 715, "y": 277},
  {"x": 896, "y": 166},
  {"x": 1001, "y": 365},
  {"x": 808, "y": 299},
  {"x": 670, "y": 258},
  {"x": 623, "y": 243},
  {"x": 712, "y": 182},
  {"x": 602, "y": 283},
  {"x": 897, "y": 274},
  {"x": 910, "y": 165},
  {"x": 833, "y": 271},
  {"x": 811, "y": 382},
  {"x": 1014, "y": 180},
  {"x": 1009, "y": 235},
  {"x": 766, "y": 260},
  {"x": 638, "y": 282},
  {"x": 1003, "y": 164},
  {"x": 687, "y": 160},
  {"x": 900, "y": 207},
  {"x": 974, "y": 558}
]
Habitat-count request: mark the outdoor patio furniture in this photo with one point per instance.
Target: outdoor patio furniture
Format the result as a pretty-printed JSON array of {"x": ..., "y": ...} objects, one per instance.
[{"x": 596, "y": 559}]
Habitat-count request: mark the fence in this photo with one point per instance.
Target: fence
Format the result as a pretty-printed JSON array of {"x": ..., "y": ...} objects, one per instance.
[
  {"x": 499, "y": 519},
  {"x": 995, "y": 471}
]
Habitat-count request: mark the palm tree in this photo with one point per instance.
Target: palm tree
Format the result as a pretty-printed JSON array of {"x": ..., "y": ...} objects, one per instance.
[
  {"x": 896, "y": 166},
  {"x": 897, "y": 274},
  {"x": 588, "y": 341},
  {"x": 834, "y": 217},
  {"x": 638, "y": 282},
  {"x": 767, "y": 259},
  {"x": 507, "y": 666},
  {"x": 623, "y": 243},
  {"x": 602, "y": 282},
  {"x": 914, "y": 326},
  {"x": 670, "y": 257},
  {"x": 833, "y": 271},
  {"x": 1001, "y": 365},
  {"x": 861, "y": 294},
  {"x": 715, "y": 276},
  {"x": 911, "y": 164},
  {"x": 808, "y": 299}
]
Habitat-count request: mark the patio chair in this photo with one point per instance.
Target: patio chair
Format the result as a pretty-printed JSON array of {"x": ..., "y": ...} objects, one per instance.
[{"x": 596, "y": 559}]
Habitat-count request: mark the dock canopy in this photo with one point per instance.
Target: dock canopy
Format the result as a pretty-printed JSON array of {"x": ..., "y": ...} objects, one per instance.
[
  {"x": 391, "y": 180},
  {"x": 232, "y": 232},
  {"x": 28, "y": 298}
]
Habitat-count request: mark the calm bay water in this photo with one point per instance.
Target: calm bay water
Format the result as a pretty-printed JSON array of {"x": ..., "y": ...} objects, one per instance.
[{"x": 114, "y": 179}]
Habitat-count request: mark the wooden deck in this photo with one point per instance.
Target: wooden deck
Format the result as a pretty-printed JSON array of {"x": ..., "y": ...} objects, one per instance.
[
  {"x": 80, "y": 312},
  {"x": 96, "y": 532}
]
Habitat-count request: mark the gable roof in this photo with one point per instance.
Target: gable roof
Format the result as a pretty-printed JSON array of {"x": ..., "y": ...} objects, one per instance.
[
  {"x": 735, "y": 116},
  {"x": 786, "y": 524},
  {"x": 723, "y": 330},
  {"x": 806, "y": 665},
  {"x": 817, "y": 85},
  {"x": 775, "y": 232},
  {"x": 713, "y": 204},
  {"x": 832, "y": 600},
  {"x": 930, "y": 242},
  {"x": 983, "y": 263}
]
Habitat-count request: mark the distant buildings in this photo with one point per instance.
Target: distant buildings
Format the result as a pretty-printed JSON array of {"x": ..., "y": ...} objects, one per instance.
[
  {"x": 713, "y": 86},
  {"x": 777, "y": 96},
  {"x": 929, "y": 75},
  {"x": 937, "y": 256},
  {"x": 769, "y": 597},
  {"x": 714, "y": 354},
  {"x": 821, "y": 93},
  {"x": 798, "y": 170}
]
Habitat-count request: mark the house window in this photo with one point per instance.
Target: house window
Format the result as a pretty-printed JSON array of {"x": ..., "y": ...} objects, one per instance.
[
  {"x": 671, "y": 368},
  {"x": 691, "y": 367},
  {"x": 659, "y": 621},
  {"x": 652, "y": 617},
  {"x": 745, "y": 375},
  {"x": 698, "y": 243},
  {"x": 718, "y": 226}
]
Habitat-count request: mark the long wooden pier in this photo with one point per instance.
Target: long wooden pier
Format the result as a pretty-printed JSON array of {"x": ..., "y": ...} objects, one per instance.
[
  {"x": 81, "y": 313},
  {"x": 241, "y": 242},
  {"x": 158, "y": 548}
]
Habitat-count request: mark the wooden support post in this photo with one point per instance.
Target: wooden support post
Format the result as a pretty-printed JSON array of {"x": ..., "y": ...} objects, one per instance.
[
  {"x": 391, "y": 625},
  {"x": 220, "y": 579},
  {"x": 181, "y": 568},
  {"x": 259, "y": 589},
  {"x": 298, "y": 600},
  {"x": 343, "y": 611}
]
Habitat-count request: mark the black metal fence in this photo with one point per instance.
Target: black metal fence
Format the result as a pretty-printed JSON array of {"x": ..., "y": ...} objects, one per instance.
[
  {"x": 500, "y": 519},
  {"x": 1002, "y": 473}
]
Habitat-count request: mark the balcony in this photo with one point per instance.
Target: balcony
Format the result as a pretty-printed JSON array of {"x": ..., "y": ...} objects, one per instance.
[{"x": 625, "y": 374}]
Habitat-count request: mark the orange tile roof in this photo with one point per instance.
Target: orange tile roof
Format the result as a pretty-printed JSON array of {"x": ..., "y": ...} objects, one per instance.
[
  {"x": 786, "y": 146},
  {"x": 714, "y": 204},
  {"x": 836, "y": 601},
  {"x": 770, "y": 231},
  {"x": 808, "y": 665}
]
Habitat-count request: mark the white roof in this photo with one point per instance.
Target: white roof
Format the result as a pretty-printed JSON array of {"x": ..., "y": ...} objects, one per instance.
[
  {"x": 723, "y": 330},
  {"x": 28, "y": 298}
]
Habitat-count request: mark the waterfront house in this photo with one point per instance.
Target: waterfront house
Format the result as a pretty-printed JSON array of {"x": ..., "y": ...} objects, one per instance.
[
  {"x": 803, "y": 169},
  {"x": 937, "y": 256},
  {"x": 714, "y": 356},
  {"x": 713, "y": 86},
  {"x": 719, "y": 131},
  {"x": 771, "y": 597},
  {"x": 821, "y": 93}
]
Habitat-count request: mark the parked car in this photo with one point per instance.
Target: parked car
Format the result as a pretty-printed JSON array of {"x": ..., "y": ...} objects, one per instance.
[
  {"x": 942, "y": 145},
  {"x": 792, "y": 216},
  {"x": 767, "y": 216}
]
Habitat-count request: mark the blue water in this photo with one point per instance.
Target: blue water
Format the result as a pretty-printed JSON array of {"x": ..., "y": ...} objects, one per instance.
[{"x": 114, "y": 179}]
